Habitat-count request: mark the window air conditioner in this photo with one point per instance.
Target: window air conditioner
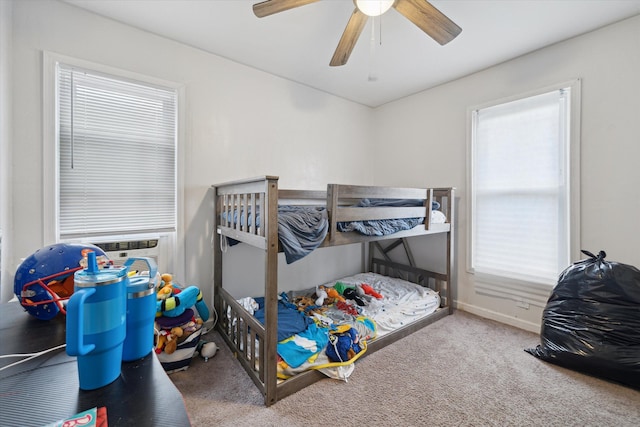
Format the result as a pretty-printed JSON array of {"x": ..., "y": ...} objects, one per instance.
[{"x": 121, "y": 250}]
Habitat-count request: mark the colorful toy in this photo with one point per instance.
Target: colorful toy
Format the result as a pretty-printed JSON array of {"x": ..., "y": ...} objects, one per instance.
[
  {"x": 172, "y": 341},
  {"x": 341, "y": 287},
  {"x": 303, "y": 303},
  {"x": 176, "y": 304},
  {"x": 170, "y": 337},
  {"x": 177, "y": 338},
  {"x": 332, "y": 293},
  {"x": 350, "y": 293},
  {"x": 347, "y": 308},
  {"x": 308, "y": 306},
  {"x": 166, "y": 288},
  {"x": 370, "y": 291},
  {"x": 168, "y": 340}
]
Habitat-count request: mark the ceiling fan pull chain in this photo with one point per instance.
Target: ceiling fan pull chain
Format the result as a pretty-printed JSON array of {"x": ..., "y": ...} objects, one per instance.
[
  {"x": 380, "y": 29},
  {"x": 372, "y": 53}
]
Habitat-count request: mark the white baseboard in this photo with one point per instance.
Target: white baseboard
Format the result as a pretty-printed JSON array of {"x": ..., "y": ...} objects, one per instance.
[{"x": 499, "y": 317}]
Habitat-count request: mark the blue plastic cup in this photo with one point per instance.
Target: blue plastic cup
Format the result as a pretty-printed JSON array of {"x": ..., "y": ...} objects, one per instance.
[
  {"x": 96, "y": 323},
  {"x": 141, "y": 312}
]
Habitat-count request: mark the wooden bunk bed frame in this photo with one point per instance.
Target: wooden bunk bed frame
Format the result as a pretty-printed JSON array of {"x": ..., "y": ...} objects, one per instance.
[{"x": 262, "y": 195}]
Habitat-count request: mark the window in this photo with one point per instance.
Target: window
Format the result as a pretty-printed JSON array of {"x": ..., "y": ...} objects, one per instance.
[
  {"x": 523, "y": 207},
  {"x": 116, "y": 155}
]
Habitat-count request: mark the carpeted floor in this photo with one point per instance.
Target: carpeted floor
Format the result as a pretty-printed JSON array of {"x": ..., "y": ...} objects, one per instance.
[{"x": 460, "y": 371}]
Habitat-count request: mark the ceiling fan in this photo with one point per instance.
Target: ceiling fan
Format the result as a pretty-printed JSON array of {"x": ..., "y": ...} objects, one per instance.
[{"x": 420, "y": 12}]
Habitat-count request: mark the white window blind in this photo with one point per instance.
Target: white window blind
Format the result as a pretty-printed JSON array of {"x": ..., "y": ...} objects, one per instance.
[
  {"x": 520, "y": 192},
  {"x": 117, "y": 155}
]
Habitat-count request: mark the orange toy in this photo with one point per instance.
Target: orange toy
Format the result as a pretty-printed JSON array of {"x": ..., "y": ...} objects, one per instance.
[
  {"x": 332, "y": 293},
  {"x": 370, "y": 291}
]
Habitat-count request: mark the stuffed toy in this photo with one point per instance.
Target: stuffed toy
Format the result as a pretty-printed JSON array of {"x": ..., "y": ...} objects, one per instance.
[
  {"x": 303, "y": 303},
  {"x": 361, "y": 293},
  {"x": 169, "y": 336},
  {"x": 341, "y": 287},
  {"x": 322, "y": 295},
  {"x": 192, "y": 326},
  {"x": 176, "y": 304},
  {"x": 207, "y": 350},
  {"x": 172, "y": 343},
  {"x": 352, "y": 294},
  {"x": 332, "y": 293},
  {"x": 166, "y": 287},
  {"x": 370, "y": 291},
  {"x": 308, "y": 306},
  {"x": 168, "y": 340}
]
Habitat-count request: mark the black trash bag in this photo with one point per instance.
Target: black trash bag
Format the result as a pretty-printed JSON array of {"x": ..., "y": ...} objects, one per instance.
[{"x": 591, "y": 322}]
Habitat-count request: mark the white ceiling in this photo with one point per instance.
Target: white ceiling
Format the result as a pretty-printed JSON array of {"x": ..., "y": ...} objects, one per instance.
[{"x": 298, "y": 44}]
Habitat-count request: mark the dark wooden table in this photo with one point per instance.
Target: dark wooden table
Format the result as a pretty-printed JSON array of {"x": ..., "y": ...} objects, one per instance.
[{"x": 46, "y": 389}]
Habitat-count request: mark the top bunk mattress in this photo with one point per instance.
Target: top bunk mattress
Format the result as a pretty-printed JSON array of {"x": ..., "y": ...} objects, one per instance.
[{"x": 302, "y": 229}]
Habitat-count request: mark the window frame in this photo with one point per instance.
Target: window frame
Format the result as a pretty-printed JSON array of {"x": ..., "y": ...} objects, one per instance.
[
  {"x": 518, "y": 289},
  {"x": 51, "y": 144}
]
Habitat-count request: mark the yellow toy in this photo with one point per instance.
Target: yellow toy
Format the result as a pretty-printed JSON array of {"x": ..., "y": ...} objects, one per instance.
[{"x": 165, "y": 287}]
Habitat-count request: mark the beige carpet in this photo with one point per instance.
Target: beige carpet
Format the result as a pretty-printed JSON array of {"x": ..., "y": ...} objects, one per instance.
[{"x": 461, "y": 371}]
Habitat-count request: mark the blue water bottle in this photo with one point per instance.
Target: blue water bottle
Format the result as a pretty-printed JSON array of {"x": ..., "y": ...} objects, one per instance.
[
  {"x": 141, "y": 311},
  {"x": 96, "y": 323}
]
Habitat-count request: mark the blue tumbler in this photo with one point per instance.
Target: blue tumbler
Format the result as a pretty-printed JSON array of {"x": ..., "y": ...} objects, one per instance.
[
  {"x": 96, "y": 323},
  {"x": 141, "y": 311}
]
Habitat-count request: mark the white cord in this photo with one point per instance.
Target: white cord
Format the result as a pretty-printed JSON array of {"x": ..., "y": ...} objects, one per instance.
[
  {"x": 224, "y": 244},
  {"x": 213, "y": 320},
  {"x": 28, "y": 356}
]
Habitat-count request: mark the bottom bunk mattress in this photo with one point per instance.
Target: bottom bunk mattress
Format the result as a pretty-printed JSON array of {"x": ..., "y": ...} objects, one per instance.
[
  {"x": 327, "y": 327},
  {"x": 390, "y": 302}
]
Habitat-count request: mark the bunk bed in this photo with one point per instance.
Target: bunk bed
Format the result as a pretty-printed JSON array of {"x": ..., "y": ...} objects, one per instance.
[{"x": 251, "y": 211}]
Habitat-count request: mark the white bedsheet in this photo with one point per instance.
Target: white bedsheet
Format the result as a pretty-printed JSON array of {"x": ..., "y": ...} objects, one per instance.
[{"x": 402, "y": 303}]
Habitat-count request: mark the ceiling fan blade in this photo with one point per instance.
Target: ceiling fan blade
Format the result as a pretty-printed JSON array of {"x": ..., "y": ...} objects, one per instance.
[
  {"x": 270, "y": 7},
  {"x": 349, "y": 38},
  {"x": 428, "y": 19}
]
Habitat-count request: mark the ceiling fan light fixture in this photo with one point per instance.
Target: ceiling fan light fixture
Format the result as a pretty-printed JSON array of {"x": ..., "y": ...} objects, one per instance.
[
  {"x": 420, "y": 12},
  {"x": 374, "y": 7}
]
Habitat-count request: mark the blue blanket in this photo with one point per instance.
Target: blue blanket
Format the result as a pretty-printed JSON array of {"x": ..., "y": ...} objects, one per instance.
[
  {"x": 380, "y": 227},
  {"x": 290, "y": 320},
  {"x": 301, "y": 229}
]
